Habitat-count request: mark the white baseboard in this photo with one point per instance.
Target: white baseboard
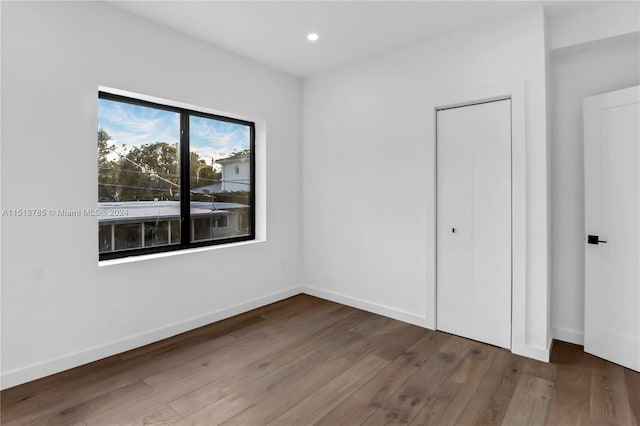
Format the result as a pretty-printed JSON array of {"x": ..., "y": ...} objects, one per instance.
[
  {"x": 530, "y": 351},
  {"x": 535, "y": 352},
  {"x": 366, "y": 306},
  {"x": 568, "y": 335},
  {"x": 42, "y": 369}
]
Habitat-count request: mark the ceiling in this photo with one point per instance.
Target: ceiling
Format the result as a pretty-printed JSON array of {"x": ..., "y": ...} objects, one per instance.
[{"x": 274, "y": 32}]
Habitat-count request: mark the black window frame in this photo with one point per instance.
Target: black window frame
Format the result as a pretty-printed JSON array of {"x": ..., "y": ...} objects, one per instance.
[{"x": 185, "y": 179}]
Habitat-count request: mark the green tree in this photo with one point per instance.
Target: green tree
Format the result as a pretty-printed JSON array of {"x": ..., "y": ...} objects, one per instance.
[
  {"x": 104, "y": 148},
  {"x": 106, "y": 167},
  {"x": 147, "y": 172},
  {"x": 201, "y": 174}
]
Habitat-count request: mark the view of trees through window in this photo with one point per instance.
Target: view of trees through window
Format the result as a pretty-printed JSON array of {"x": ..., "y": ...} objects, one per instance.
[{"x": 141, "y": 181}]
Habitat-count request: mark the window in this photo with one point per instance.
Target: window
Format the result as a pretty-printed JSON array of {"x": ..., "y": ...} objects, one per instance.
[{"x": 150, "y": 156}]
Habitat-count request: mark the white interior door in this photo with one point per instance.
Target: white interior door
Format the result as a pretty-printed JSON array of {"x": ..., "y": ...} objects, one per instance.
[
  {"x": 474, "y": 222},
  {"x": 612, "y": 256}
]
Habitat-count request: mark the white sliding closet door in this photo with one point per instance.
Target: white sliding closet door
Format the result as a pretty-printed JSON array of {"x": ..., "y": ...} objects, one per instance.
[{"x": 474, "y": 221}]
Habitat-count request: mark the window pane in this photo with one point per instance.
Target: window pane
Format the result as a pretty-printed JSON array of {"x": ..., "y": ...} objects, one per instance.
[
  {"x": 220, "y": 178},
  {"x": 201, "y": 228},
  {"x": 156, "y": 233},
  {"x": 175, "y": 231},
  {"x": 138, "y": 175},
  {"x": 128, "y": 236},
  {"x": 105, "y": 238}
]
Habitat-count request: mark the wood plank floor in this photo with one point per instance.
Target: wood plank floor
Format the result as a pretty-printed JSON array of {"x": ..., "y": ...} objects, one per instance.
[{"x": 306, "y": 361}]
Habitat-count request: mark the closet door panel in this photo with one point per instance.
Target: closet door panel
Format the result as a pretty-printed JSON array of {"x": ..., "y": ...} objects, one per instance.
[{"x": 474, "y": 222}]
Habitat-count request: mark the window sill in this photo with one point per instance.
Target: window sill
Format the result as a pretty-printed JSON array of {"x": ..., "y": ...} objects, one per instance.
[{"x": 144, "y": 257}]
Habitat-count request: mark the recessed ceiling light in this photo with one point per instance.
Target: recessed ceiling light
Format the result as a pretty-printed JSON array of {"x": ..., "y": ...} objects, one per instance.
[{"x": 312, "y": 37}]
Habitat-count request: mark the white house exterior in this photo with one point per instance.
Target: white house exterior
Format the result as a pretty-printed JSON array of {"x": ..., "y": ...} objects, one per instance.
[{"x": 236, "y": 172}]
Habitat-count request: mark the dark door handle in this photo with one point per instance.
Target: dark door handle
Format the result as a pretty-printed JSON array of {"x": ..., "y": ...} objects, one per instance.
[{"x": 594, "y": 239}]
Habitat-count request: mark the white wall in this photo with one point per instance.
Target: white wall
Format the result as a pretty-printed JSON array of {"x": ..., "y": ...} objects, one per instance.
[
  {"x": 59, "y": 309},
  {"x": 368, "y": 168},
  {"x": 593, "y": 23},
  {"x": 576, "y": 74}
]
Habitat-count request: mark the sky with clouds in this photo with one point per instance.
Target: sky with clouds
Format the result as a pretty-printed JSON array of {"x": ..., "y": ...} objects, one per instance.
[{"x": 133, "y": 125}]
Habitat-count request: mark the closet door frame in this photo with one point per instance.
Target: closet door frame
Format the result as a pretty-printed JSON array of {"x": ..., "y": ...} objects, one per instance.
[{"x": 515, "y": 92}]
